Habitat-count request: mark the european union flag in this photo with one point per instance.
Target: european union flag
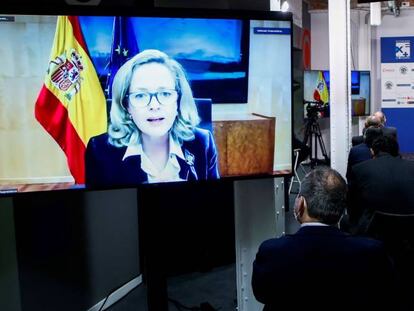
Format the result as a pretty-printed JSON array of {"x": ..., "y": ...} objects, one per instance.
[{"x": 124, "y": 47}]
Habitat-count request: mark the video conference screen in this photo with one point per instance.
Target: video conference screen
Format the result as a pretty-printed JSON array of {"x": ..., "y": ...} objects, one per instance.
[
  {"x": 117, "y": 101},
  {"x": 317, "y": 86}
]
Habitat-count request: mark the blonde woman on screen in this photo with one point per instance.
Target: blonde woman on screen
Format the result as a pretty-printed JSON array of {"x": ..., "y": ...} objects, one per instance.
[{"x": 152, "y": 134}]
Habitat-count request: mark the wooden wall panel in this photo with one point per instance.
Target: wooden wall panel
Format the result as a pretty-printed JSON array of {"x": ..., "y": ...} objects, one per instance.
[{"x": 246, "y": 147}]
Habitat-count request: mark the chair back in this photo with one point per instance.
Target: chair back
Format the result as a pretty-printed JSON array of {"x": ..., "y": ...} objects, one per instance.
[
  {"x": 356, "y": 140},
  {"x": 204, "y": 112},
  {"x": 397, "y": 233},
  {"x": 390, "y": 226}
]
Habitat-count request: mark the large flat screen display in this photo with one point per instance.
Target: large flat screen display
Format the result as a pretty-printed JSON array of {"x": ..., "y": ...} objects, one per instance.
[
  {"x": 317, "y": 88},
  {"x": 93, "y": 100}
]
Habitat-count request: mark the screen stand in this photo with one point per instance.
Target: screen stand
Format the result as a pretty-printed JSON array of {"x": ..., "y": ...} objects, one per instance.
[{"x": 259, "y": 215}]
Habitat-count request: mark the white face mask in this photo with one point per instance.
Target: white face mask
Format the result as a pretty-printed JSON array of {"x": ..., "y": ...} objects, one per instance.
[{"x": 296, "y": 215}]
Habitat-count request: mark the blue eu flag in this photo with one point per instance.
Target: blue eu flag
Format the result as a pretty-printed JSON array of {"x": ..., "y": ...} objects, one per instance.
[{"x": 124, "y": 47}]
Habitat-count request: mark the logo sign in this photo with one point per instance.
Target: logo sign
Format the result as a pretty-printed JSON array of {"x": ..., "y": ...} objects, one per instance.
[
  {"x": 403, "y": 70},
  {"x": 388, "y": 85},
  {"x": 402, "y": 49},
  {"x": 65, "y": 73}
]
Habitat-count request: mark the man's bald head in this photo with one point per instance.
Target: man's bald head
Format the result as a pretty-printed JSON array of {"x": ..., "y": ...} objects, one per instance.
[
  {"x": 373, "y": 121},
  {"x": 381, "y": 116}
]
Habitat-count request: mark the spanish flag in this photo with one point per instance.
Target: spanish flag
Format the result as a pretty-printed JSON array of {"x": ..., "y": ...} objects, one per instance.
[
  {"x": 321, "y": 92},
  {"x": 71, "y": 105}
]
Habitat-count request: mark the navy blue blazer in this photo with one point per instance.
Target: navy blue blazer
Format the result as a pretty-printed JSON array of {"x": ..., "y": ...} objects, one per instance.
[
  {"x": 105, "y": 167},
  {"x": 384, "y": 184},
  {"x": 386, "y": 130},
  {"x": 322, "y": 268},
  {"x": 357, "y": 154}
]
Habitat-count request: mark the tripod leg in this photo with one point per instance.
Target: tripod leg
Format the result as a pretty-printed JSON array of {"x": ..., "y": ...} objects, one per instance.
[
  {"x": 321, "y": 143},
  {"x": 308, "y": 138},
  {"x": 307, "y": 132},
  {"x": 315, "y": 137},
  {"x": 312, "y": 146}
]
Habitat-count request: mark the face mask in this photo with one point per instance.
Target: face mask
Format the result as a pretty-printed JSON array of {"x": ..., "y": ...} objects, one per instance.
[
  {"x": 294, "y": 209},
  {"x": 296, "y": 216}
]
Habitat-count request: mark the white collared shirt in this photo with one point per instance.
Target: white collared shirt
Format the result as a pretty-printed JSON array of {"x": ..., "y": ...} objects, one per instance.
[
  {"x": 316, "y": 223},
  {"x": 172, "y": 168}
]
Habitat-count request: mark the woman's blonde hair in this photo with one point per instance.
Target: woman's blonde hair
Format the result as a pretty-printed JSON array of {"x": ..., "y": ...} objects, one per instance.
[{"x": 122, "y": 130}]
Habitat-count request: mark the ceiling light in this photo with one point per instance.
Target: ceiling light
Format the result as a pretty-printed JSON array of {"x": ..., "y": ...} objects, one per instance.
[{"x": 285, "y": 6}]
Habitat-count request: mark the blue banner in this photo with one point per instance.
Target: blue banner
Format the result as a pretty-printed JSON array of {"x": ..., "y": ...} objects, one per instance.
[
  {"x": 397, "y": 49},
  {"x": 402, "y": 119},
  {"x": 271, "y": 31}
]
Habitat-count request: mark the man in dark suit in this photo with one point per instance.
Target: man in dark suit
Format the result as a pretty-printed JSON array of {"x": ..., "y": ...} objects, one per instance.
[
  {"x": 321, "y": 267},
  {"x": 387, "y": 130},
  {"x": 385, "y": 183},
  {"x": 370, "y": 122},
  {"x": 362, "y": 152}
]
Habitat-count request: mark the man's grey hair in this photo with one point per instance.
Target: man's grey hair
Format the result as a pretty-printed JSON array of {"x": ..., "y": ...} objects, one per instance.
[
  {"x": 381, "y": 116},
  {"x": 373, "y": 121},
  {"x": 325, "y": 191},
  {"x": 371, "y": 134}
]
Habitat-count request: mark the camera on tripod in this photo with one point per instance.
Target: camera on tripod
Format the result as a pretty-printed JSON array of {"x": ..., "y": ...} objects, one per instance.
[
  {"x": 313, "y": 137},
  {"x": 314, "y": 109}
]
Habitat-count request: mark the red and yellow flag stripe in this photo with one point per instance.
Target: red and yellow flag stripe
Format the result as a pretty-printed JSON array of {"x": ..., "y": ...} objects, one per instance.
[{"x": 71, "y": 105}]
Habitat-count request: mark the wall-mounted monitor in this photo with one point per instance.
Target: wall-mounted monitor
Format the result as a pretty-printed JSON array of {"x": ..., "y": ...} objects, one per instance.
[
  {"x": 317, "y": 84},
  {"x": 99, "y": 98}
]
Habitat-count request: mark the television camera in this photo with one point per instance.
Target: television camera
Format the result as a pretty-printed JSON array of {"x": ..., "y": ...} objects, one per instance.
[{"x": 314, "y": 108}]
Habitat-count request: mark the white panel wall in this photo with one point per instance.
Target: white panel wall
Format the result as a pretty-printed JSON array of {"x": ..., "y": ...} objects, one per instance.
[
  {"x": 360, "y": 58},
  {"x": 364, "y": 38},
  {"x": 319, "y": 40},
  {"x": 360, "y": 40}
]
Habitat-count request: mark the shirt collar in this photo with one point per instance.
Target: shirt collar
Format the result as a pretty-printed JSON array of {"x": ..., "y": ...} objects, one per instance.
[
  {"x": 175, "y": 148},
  {"x": 136, "y": 149},
  {"x": 316, "y": 223}
]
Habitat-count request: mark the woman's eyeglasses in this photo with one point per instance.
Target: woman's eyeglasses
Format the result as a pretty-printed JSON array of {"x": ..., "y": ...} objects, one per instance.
[{"x": 142, "y": 99}]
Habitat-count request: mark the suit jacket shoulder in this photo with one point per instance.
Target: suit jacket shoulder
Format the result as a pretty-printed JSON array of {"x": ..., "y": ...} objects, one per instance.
[
  {"x": 356, "y": 140},
  {"x": 105, "y": 167},
  {"x": 357, "y": 154},
  {"x": 384, "y": 184},
  {"x": 339, "y": 263},
  {"x": 390, "y": 131}
]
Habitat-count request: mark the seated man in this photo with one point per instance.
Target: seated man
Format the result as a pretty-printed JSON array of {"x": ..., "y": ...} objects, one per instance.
[
  {"x": 320, "y": 267},
  {"x": 370, "y": 122},
  {"x": 385, "y": 183},
  {"x": 362, "y": 152},
  {"x": 387, "y": 130}
]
